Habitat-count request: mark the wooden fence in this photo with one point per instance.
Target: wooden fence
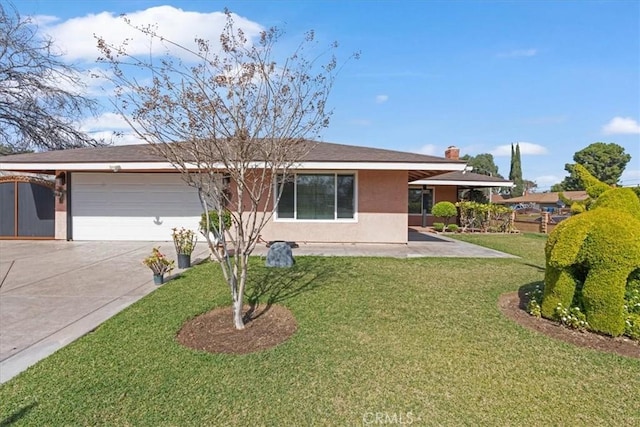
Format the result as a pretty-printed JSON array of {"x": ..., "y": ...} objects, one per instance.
[{"x": 534, "y": 224}]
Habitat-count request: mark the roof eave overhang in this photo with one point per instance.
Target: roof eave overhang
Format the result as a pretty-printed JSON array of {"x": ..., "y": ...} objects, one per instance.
[
  {"x": 462, "y": 183},
  {"x": 164, "y": 166}
]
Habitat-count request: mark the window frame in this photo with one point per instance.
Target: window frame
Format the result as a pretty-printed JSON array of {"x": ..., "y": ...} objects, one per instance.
[{"x": 335, "y": 173}]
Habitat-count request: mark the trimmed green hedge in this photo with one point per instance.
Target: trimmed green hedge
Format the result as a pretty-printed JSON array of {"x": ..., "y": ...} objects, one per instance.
[
  {"x": 438, "y": 226},
  {"x": 622, "y": 199},
  {"x": 592, "y": 185},
  {"x": 444, "y": 210}
]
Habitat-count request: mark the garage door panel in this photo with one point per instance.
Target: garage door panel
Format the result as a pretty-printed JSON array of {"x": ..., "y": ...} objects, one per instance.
[{"x": 131, "y": 206}]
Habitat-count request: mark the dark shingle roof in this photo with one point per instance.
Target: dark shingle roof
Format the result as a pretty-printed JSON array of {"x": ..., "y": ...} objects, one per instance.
[
  {"x": 321, "y": 152},
  {"x": 113, "y": 153},
  {"x": 466, "y": 176}
]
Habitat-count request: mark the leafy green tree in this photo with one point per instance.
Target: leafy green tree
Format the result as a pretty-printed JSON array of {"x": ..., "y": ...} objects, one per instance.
[
  {"x": 515, "y": 174},
  {"x": 529, "y": 186},
  {"x": 482, "y": 164},
  {"x": 605, "y": 161}
]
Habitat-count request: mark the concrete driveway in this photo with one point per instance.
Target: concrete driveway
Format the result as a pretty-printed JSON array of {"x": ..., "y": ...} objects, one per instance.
[{"x": 53, "y": 292}]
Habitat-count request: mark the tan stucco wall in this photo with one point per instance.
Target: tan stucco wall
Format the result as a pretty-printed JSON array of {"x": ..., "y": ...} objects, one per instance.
[
  {"x": 61, "y": 225},
  {"x": 61, "y": 208},
  {"x": 381, "y": 215},
  {"x": 369, "y": 228},
  {"x": 445, "y": 193}
]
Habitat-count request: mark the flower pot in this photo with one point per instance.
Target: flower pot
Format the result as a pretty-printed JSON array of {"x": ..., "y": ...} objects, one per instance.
[
  {"x": 184, "y": 260},
  {"x": 158, "y": 279}
]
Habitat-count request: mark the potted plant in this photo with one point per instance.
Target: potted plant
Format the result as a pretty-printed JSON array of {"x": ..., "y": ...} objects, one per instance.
[
  {"x": 159, "y": 264},
  {"x": 184, "y": 241}
]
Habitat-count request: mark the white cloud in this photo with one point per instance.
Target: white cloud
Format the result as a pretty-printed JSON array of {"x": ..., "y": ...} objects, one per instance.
[
  {"x": 92, "y": 82},
  {"x": 43, "y": 20},
  {"x": 124, "y": 138},
  {"x": 429, "y": 149},
  {"x": 630, "y": 177},
  {"x": 473, "y": 149},
  {"x": 526, "y": 148},
  {"x": 106, "y": 121},
  {"x": 76, "y": 36},
  {"x": 381, "y": 99},
  {"x": 518, "y": 53},
  {"x": 112, "y": 128},
  {"x": 547, "y": 180},
  {"x": 621, "y": 125}
]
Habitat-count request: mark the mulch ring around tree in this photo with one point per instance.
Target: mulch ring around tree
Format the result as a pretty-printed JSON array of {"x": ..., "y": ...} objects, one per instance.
[
  {"x": 513, "y": 306},
  {"x": 265, "y": 327}
]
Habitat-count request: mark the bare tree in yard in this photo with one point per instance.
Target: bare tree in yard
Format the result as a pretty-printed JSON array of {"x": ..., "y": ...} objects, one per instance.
[
  {"x": 39, "y": 106},
  {"x": 232, "y": 121}
]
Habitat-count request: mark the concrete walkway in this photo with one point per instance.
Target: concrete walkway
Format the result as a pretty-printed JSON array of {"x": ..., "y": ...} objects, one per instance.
[
  {"x": 421, "y": 245},
  {"x": 53, "y": 292}
]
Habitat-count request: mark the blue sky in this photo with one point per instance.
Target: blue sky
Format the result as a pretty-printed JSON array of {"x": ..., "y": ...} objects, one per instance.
[{"x": 554, "y": 76}]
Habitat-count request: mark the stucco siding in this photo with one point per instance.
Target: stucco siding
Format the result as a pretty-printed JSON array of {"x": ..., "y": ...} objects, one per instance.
[{"x": 381, "y": 215}]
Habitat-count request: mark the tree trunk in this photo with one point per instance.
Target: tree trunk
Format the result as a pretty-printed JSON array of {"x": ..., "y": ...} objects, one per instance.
[
  {"x": 238, "y": 323},
  {"x": 240, "y": 280}
]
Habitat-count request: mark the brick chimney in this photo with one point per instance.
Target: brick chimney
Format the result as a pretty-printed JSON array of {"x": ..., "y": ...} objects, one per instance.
[{"x": 452, "y": 152}]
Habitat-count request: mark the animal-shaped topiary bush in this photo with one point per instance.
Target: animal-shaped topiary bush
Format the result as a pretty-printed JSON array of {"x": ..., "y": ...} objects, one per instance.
[{"x": 590, "y": 256}]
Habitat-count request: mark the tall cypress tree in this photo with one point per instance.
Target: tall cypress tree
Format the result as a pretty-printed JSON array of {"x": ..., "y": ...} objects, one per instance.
[
  {"x": 513, "y": 155},
  {"x": 515, "y": 174}
]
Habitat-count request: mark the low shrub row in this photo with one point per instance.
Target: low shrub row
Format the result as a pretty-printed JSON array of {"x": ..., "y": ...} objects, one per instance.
[
  {"x": 485, "y": 217},
  {"x": 440, "y": 227}
]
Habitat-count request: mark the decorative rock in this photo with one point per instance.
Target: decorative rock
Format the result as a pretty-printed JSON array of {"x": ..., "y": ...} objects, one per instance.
[{"x": 280, "y": 255}]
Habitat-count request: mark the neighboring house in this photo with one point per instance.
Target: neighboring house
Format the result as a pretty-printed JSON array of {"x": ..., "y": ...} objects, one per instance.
[
  {"x": 544, "y": 201},
  {"x": 129, "y": 193},
  {"x": 450, "y": 186}
]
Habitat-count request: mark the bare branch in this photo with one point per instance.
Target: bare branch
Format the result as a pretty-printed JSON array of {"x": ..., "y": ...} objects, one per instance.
[
  {"x": 236, "y": 114},
  {"x": 40, "y": 101}
]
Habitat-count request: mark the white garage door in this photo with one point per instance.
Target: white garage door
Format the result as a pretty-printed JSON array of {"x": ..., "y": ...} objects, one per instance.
[{"x": 131, "y": 206}]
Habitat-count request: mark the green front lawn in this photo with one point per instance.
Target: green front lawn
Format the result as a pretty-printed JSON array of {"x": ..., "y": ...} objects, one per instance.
[{"x": 418, "y": 340}]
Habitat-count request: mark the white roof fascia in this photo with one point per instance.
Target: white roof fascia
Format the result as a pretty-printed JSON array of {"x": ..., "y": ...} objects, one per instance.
[
  {"x": 120, "y": 166},
  {"x": 462, "y": 183},
  {"x": 151, "y": 166},
  {"x": 381, "y": 166}
]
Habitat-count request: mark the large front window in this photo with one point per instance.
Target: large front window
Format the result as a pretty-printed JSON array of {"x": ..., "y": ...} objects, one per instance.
[{"x": 322, "y": 196}]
